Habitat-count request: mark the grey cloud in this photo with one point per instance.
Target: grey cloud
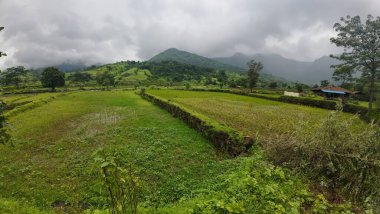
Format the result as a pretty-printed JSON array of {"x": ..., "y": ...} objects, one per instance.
[{"x": 41, "y": 32}]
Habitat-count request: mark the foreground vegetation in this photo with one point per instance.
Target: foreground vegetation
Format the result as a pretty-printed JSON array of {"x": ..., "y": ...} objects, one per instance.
[
  {"x": 52, "y": 163},
  {"x": 336, "y": 150}
]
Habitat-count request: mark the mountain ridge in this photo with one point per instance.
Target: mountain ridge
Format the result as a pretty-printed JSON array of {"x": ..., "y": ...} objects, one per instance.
[{"x": 309, "y": 72}]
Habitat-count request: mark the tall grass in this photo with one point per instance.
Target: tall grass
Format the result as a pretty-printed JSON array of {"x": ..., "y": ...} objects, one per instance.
[{"x": 341, "y": 158}]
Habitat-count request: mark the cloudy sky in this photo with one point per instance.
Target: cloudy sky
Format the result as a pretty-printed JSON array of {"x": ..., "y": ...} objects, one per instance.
[{"x": 48, "y": 32}]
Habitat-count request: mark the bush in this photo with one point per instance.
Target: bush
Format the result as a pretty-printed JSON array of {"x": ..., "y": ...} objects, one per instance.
[
  {"x": 335, "y": 153},
  {"x": 4, "y": 136}
]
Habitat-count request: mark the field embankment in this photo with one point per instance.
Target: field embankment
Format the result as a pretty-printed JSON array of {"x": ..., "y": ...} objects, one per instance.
[
  {"x": 335, "y": 149},
  {"x": 50, "y": 162}
]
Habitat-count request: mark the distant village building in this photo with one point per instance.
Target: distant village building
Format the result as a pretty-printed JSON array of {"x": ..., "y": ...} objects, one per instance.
[
  {"x": 291, "y": 94},
  {"x": 332, "y": 92}
]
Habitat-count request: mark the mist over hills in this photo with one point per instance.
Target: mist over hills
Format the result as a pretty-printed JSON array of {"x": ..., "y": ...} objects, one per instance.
[
  {"x": 290, "y": 69},
  {"x": 275, "y": 65},
  {"x": 174, "y": 54}
]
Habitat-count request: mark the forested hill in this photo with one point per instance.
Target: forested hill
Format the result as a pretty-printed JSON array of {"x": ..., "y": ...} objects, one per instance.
[
  {"x": 290, "y": 69},
  {"x": 174, "y": 54}
]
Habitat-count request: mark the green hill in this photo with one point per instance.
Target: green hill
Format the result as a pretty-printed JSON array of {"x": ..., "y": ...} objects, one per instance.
[{"x": 174, "y": 54}]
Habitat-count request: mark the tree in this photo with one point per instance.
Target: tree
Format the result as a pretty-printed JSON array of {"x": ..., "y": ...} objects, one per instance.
[
  {"x": 253, "y": 73},
  {"x": 4, "y": 136},
  {"x": 273, "y": 85},
  {"x": 51, "y": 77},
  {"x": 105, "y": 79},
  {"x": 80, "y": 78},
  {"x": 299, "y": 87},
  {"x": 222, "y": 78},
  {"x": 361, "y": 43},
  {"x": 2, "y": 53},
  {"x": 14, "y": 76},
  {"x": 324, "y": 83}
]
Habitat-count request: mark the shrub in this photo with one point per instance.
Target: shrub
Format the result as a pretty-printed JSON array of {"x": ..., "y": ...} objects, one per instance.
[
  {"x": 336, "y": 153},
  {"x": 122, "y": 184},
  {"x": 4, "y": 136}
]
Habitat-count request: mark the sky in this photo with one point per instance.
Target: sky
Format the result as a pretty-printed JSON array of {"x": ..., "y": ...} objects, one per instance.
[{"x": 42, "y": 33}]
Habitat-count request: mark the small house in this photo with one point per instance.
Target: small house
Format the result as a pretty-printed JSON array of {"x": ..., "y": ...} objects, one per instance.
[{"x": 332, "y": 92}]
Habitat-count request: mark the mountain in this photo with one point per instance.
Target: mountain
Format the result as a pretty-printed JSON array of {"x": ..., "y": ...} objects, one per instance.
[
  {"x": 71, "y": 66},
  {"x": 290, "y": 69},
  {"x": 174, "y": 54}
]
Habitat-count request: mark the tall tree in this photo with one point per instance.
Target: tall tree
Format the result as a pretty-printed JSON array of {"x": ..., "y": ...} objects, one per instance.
[
  {"x": 105, "y": 79},
  {"x": 222, "y": 78},
  {"x": 80, "y": 78},
  {"x": 324, "y": 83},
  {"x": 4, "y": 136},
  {"x": 254, "y": 68},
  {"x": 14, "y": 76},
  {"x": 361, "y": 43},
  {"x": 2, "y": 53},
  {"x": 51, "y": 77}
]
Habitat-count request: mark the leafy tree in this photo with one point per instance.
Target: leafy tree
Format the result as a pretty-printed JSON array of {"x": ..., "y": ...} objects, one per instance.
[
  {"x": 14, "y": 76},
  {"x": 4, "y": 136},
  {"x": 51, "y": 77},
  {"x": 273, "y": 85},
  {"x": 105, "y": 79},
  {"x": 80, "y": 78},
  {"x": 222, "y": 78},
  {"x": 361, "y": 43},
  {"x": 2, "y": 53},
  {"x": 253, "y": 73},
  {"x": 344, "y": 75},
  {"x": 324, "y": 83},
  {"x": 299, "y": 87}
]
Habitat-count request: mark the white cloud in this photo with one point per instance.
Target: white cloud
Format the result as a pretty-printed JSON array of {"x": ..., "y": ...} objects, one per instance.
[{"x": 47, "y": 32}]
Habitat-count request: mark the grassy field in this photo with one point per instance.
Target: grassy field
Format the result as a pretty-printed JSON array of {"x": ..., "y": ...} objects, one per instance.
[
  {"x": 51, "y": 159},
  {"x": 337, "y": 152},
  {"x": 255, "y": 117}
]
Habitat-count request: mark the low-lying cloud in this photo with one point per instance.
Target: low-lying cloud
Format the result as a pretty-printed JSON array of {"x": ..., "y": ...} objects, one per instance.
[{"x": 48, "y": 32}]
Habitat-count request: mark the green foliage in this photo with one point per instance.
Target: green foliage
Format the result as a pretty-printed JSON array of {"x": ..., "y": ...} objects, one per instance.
[
  {"x": 184, "y": 57},
  {"x": 324, "y": 83},
  {"x": 14, "y": 76},
  {"x": 105, "y": 79},
  {"x": 338, "y": 155},
  {"x": 122, "y": 184},
  {"x": 274, "y": 124},
  {"x": 224, "y": 138},
  {"x": 222, "y": 78},
  {"x": 51, "y": 160},
  {"x": 51, "y": 77},
  {"x": 80, "y": 78},
  {"x": 4, "y": 136},
  {"x": 253, "y": 73},
  {"x": 2, "y": 53},
  {"x": 273, "y": 85},
  {"x": 361, "y": 49},
  {"x": 12, "y": 206}
]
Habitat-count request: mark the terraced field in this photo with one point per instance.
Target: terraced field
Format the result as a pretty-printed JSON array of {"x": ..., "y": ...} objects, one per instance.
[
  {"x": 263, "y": 118},
  {"x": 51, "y": 159},
  {"x": 50, "y": 162}
]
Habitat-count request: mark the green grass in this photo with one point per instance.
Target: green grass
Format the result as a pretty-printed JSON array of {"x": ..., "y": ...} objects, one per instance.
[
  {"x": 24, "y": 102},
  {"x": 51, "y": 159},
  {"x": 303, "y": 138},
  {"x": 263, "y": 118}
]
